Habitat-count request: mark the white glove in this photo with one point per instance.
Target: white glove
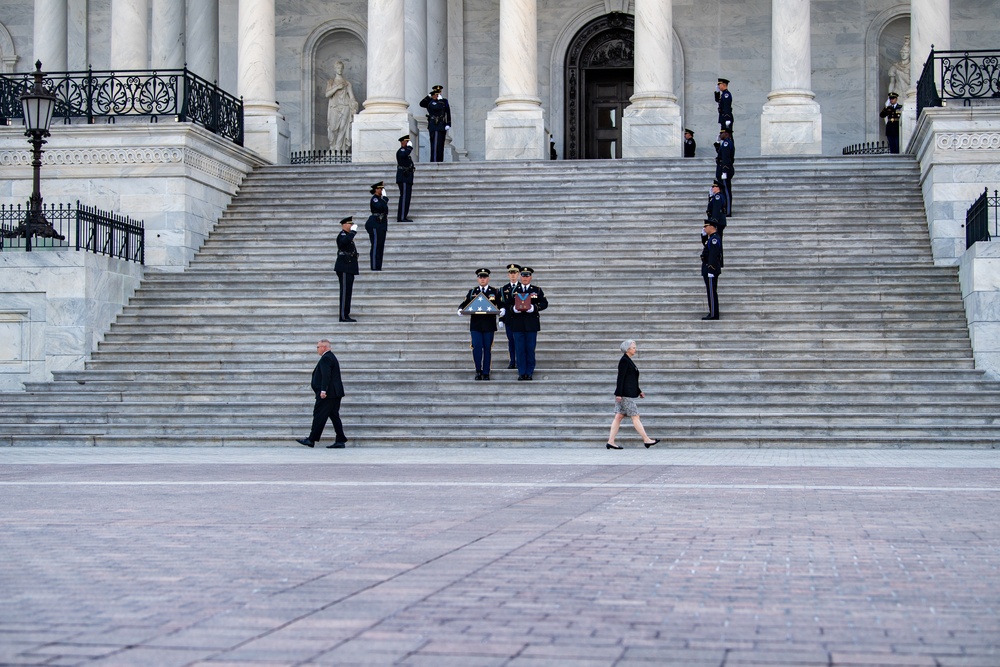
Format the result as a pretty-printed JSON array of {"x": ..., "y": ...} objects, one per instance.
[
  {"x": 409, "y": 143},
  {"x": 728, "y": 123},
  {"x": 887, "y": 101},
  {"x": 503, "y": 311},
  {"x": 460, "y": 313},
  {"x": 501, "y": 325},
  {"x": 447, "y": 127},
  {"x": 711, "y": 275},
  {"x": 723, "y": 175},
  {"x": 531, "y": 308},
  {"x": 354, "y": 227}
]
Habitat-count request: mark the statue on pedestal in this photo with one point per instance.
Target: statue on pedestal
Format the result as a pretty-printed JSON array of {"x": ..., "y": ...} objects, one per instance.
[
  {"x": 341, "y": 109},
  {"x": 899, "y": 72}
]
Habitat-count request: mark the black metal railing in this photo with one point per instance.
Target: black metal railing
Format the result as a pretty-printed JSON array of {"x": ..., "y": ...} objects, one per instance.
[
  {"x": 69, "y": 228},
  {"x": 977, "y": 218},
  {"x": 958, "y": 75},
  {"x": 321, "y": 157},
  {"x": 868, "y": 148},
  {"x": 109, "y": 94}
]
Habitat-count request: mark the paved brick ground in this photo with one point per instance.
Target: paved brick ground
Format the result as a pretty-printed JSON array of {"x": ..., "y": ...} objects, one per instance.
[{"x": 499, "y": 557}]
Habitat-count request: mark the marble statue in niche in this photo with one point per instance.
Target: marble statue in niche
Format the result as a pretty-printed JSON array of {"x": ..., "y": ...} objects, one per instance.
[
  {"x": 340, "y": 110},
  {"x": 899, "y": 72}
]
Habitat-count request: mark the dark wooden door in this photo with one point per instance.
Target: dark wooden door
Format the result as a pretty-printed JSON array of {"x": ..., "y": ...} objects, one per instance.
[{"x": 608, "y": 93}]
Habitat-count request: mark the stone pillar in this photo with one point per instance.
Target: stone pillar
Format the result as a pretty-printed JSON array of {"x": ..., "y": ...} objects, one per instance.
[
  {"x": 515, "y": 127},
  {"x": 129, "y": 34},
  {"x": 791, "y": 122},
  {"x": 416, "y": 72},
  {"x": 437, "y": 73},
  {"x": 651, "y": 126},
  {"x": 930, "y": 25},
  {"x": 50, "y": 35},
  {"x": 167, "y": 35},
  {"x": 264, "y": 129},
  {"x": 202, "y": 43},
  {"x": 385, "y": 117}
]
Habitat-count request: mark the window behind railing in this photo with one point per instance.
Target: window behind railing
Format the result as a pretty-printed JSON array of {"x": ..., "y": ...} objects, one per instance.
[
  {"x": 977, "y": 218},
  {"x": 81, "y": 228}
]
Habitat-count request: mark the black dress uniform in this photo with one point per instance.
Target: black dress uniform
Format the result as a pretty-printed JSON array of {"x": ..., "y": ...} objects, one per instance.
[
  {"x": 892, "y": 112},
  {"x": 526, "y": 325},
  {"x": 711, "y": 267},
  {"x": 482, "y": 326},
  {"x": 725, "y": 101},
  {"x": 377, "y": 226},
  {"x": 404, "y": 178},
  {"x": 505, "y": 292},
  {"x": 438, "y": 122},
  {"x": 716, "y": 209},
  {"x": 689, "y": 144},
  {"x": 724, "y": 167},
  {"x": 346, "y": 267}
]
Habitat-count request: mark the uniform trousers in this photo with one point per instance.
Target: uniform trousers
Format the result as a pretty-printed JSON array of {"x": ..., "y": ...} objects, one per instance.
[
  {"x": 403, "y": 210},
  {"x": 524, "y": 351},
  {"x": 510, "y": 346},
  {"x": 437, "y": 145},
  {"x": 892, "y": 136},
  {"x": 346, "y": 289},
  {"x": 727, "y": 188},
  {"x": 712, "y": 287},
  {"x": 376, "y": 234},
  {"x": 482, "y": 349},
  {"x": 327, "y": 408}
]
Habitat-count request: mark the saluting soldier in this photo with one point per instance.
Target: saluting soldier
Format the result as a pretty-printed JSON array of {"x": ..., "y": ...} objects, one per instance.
[
  {"x": 404, "y": 178},
  {"x": 689, "y": 144},
  {"x": 346, "y": 265},
  {"x": 725, "y": 100},
  {"x": 378, "y": 224},
  {"x": 716, "y": 209},
  {"x": 513, "y": 276},
  {"x": 438, "y": 121},
  {"x": 711, "y": 267},
  {"x": 523, "y": 308},
  {"x": 482, "y": 325},
  {"x": 724, "y": 168},
  {"x": 892, "y": 112}
]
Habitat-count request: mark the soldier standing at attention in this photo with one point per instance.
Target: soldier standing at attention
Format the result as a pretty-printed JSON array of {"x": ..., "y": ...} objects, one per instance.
[
  {"x": 438, "y": 121},
  {"x": 525, "y": 304},
  {"x": 482, "y": 325},
  {"x": 404, "y": 178},
  {"x": 892, "y": 113},
  {"x": 346, "y": 265},
  {"x": 716, "y": 209},
  {"x": 724, "y": 168},
  {"x": 711, "y": 267},
  {"x": 378, "y": 224},
  {"x": 725, "y": 101},
  {"x": 513, "y": 274},
  {"x": 689, "y": 145}
]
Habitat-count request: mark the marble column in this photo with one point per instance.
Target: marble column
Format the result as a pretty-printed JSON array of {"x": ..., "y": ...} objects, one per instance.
[
  {"x": 264, "y": 129},
  {"x": 515, "y": 127},
  {"x": 50, "y": 35},
  {"x": 791, "y": 122},
  {"x": 385, "y": 117},
  {"x": 930, "y": 25},
  {"x": 202, "y": 43},
  {"x": 129, "y": 34},
  {"x": 437, "y": 70},
  {"x": 651, "y": 124},
  {"x": 167, "y": 35},
  {"x": 416, "y": 73}
]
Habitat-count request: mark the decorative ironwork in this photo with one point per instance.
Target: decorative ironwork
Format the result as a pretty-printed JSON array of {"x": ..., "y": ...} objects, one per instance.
[
  {"x": 110, "y": 95},
  {"x": 321, "y": 157},
  {"x": 868, "y": 148},
  {"x": 977, "y": 218},
  {"x": 80, "y": 228},
  {"x": 958, "y": 75}
]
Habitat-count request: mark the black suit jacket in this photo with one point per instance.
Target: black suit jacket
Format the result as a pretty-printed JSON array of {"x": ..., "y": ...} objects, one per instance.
[
  {"x": 326, "y": 376},
  {"x": 628, "y": 378}
]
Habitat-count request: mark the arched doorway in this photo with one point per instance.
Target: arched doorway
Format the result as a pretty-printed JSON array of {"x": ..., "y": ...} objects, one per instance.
[{"x": 599, "y": 83}]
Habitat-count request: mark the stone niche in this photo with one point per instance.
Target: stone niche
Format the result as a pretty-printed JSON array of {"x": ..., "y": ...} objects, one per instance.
[{"x": 331, "y": 46}]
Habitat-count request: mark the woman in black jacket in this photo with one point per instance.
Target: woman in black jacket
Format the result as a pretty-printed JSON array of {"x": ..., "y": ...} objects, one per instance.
[{"x": 626, "y": 392}]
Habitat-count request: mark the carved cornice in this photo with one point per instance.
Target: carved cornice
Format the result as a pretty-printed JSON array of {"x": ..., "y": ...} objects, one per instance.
[{"x": 967, "y": 141}]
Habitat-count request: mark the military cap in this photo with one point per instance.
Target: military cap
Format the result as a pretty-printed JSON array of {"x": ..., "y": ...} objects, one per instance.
[
  {"x": 348, "y": 220},
  {"x": 405, "y": 137},
  {"x": 712, "y": 222},
  {"x": 380, "y": 184},
  {"x": 891, "y": 95},
  {"x": 687, "y": 131},
  {"x": 527, "y": 271},
  {"x": 513, "y": 268},
  {"x": 716, "y": 184},
  {"x": 725, "y": 81},
  {"x": 436, "y": 89},
  {"x": 482, "y": 273}
]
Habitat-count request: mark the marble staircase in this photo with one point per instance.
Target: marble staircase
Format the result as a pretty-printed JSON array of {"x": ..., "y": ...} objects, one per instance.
[{"x": 837, "y": 329}]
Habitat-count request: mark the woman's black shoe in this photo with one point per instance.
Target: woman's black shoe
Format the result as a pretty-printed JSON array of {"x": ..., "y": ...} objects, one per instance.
[
  {"x": 650, "y": 444},
  {"x": 610, "y": 446}
]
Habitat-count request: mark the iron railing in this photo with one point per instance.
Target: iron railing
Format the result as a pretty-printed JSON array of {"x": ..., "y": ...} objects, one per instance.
[
  {"x": 80, "y": 228},
  {"x": 868, "y": 148},
  {"x": 977, "y": 218},
  {"x": 111, "y": 94},
  {"x": 958, "y": 75},
  {"x": 321, "y": 157}
]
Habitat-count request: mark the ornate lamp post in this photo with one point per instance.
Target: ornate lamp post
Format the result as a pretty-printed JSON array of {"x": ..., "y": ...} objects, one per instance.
[{"x": 37, "y": 105}]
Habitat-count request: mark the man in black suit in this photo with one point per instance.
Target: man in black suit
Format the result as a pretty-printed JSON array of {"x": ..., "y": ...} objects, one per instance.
[
  {"x": 329, "y": 389},
  {"x": 346, "y": 265},
  {"x": 404, "y": 178}
]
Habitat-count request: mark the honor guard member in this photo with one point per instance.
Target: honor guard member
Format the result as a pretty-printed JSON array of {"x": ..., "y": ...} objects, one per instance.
[
  {"x": 378, "y": 224},
  {"x": 892, "y": 113},
  {"x": 514, "y": 280},
  {"x": 724, "y": 168},
  {"x": 711, "y": 267},
  {"x": 716, "y": 209},
  {"x": 523, "y": 308},
  {"x": 438, "y": 121},
  {"x": 346, "y": 265},
  {"x": 404, "y": 178},
  {"x": 689, "y": 144},
  {"x": 482, "y": 325},
  {"x": 725, "y": 101}
]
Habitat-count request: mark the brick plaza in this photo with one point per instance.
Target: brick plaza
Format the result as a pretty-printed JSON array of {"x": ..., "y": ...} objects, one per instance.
[{"x": 471, "y": 557}]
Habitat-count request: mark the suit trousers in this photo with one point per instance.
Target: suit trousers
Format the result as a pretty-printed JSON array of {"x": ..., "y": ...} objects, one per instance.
[
  {"x": 403, "y": 210},
  {"x": 327, "y": 408},
  {"x": 524, "y": 350},
  {"x": 482, "y": 349}
]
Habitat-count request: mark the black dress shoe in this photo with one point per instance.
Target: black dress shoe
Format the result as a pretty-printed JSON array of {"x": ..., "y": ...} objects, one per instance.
[
  {"x": 511, "y": 365},
  {"x": 347, "y": 319},
  {"x": 479, "y": 376},
  {"x": 650, "y": 444},
  {"x": 709, "y": 317},
  {"x": 528, "y": 377},
  {"x": 306, "y": 441},
  {"x": 406, "y": 220},
  {"x": 336, "y": 445},
  {"x": 486, "y": 376},
  {"x": 522, "y": 377},
  {"x": 610, "y": 446}
]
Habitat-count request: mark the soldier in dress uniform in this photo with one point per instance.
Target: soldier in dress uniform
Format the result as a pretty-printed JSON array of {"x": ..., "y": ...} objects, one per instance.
[
  {"x": 716, "y": 209},
  {"x": 514, "y": 279},
  {"x": 711, "y": 267},
  {"x": 482, "y": 326},
  {"x": 689, "y": 144},
  {"x": 724, "y": 168},
  {"x": 346, "y": 265},
  {"x": 523, "y": 308},
  {"x": 725, "y": 100},
  {"x": 892, "y": 112},
  {"x": 404, "y": 178},
  {"x": 438, "y": 121},
  {"x": 377, "y": 224}
]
